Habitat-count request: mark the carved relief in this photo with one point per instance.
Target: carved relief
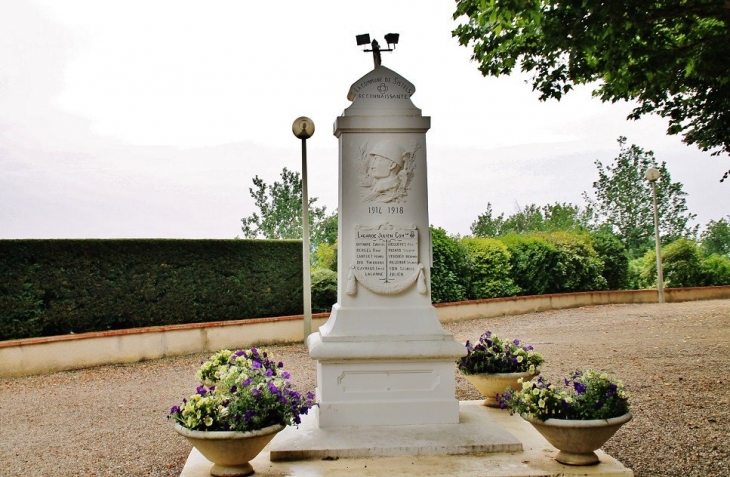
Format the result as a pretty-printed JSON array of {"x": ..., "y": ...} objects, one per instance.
[
  {"x": 385, "y": 171},
  {"x": 386, "y": 260}
]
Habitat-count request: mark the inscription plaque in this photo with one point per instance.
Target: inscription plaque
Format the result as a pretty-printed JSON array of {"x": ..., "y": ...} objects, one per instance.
[{"x": 386, "y": 259}]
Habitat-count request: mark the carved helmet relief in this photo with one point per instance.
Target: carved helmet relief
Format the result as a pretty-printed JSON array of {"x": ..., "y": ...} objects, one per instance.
[{"x": 386, "y": 171}]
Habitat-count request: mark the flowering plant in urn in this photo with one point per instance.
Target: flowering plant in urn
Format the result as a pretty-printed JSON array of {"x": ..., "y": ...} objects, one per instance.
[
  {"x": 576, "y": 416},
  {"x": 494, "y": 364},
  {"x": 250, "y": 392},
  {"x": 584, "y": 394},
  {"x": 493, "y": 354}
]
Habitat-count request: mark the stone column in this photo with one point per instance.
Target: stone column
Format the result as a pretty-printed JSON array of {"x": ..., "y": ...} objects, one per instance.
[{"x": 383, "y": 358}]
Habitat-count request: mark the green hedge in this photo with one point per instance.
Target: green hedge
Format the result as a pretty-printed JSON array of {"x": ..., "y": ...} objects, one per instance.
[
  {"x": 448, "y": 269},
  {"x": 55, "y": 287},
  {"x": 489, "y": 269}
]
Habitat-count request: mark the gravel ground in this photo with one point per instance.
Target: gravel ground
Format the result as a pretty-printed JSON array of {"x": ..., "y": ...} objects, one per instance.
[{"x": 111, "y": 420}]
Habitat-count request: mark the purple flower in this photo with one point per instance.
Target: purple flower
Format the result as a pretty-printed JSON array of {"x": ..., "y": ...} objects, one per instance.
[
  {"x": 254, "y": 351},
  {"x": 174, "y": 410},
  {"x": 285, "y": 375},
  {"x": 517, "y": 342},
  {"x": 280, "y": 365},
  {"x": 256, "y": 393},
  {"x": 269, "y": 372},
  {"x": 249, "y": 415},
  {"x": 256, "y": 364},
  {"x": 273, "y": 388},
  {"x": 201, "y": 390},
  {"x": 579, "y": 388},
  {"x": 234, "y": 388},
  {"x": 246, "y": 382}
]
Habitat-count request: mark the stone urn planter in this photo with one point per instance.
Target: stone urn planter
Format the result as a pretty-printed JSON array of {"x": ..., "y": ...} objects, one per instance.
[
  {"x": 491, "y": 384},
  {"x": 578, "y": 439},
  {"x": 230, "y": 451}
]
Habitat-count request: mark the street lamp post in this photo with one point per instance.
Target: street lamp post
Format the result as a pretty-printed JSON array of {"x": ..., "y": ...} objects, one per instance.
[
  {"x": 303, "y": 128},
  {"x": 652, "y": 175}
]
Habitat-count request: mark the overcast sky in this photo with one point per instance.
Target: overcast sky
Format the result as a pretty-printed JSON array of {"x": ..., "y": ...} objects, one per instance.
[{"x": 150, "y": 118}]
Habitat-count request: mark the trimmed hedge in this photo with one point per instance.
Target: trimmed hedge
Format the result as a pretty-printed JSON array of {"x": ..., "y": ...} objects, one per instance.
[
  {"x": 55, "y": 287},
  {"x": 448, "y": 269},
  {"x": 489, "y": 269}
]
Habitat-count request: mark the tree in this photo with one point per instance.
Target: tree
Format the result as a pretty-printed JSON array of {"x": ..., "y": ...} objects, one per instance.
[
  {"x": 716, "y": 237},
  {"x": 487, "y": 226},
  {"x": 670, "y": 56},
  {"x": 623, "y": 201},
  {"x": 532, "y": 218},
  {"x": 280, "y": 211}
]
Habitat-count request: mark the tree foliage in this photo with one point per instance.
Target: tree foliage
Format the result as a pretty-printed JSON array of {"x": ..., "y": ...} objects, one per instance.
[
  {"x": 716, "y": 237},
  {"x": 532, "y": 218},
  {"x": 672, "y": 57},
  {"x": 623, "y": 201},
  {"x": 280, "y": 211}
]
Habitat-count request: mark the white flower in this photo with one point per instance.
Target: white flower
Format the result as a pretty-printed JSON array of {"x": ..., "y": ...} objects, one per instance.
[{"x": 208, "y": 421}]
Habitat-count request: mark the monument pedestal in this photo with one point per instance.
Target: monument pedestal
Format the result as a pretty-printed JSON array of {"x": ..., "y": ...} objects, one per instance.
[{"x": 386, "y": 382}]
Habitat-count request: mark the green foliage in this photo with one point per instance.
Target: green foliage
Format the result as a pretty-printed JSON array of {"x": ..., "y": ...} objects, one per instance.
[
  {"x": 670, "y": 57},
  {"x": 324, "y": 289},
  {"x": 56, "y": 287},
  {"x": 533, "y": 260},
  {"x": 635, "y": 279},
  {"x": 682, "y": 264},
  {"x": 488, "y": 269},
  {"x": 326, "y": 256},
  {"x": 325, "y": 231},
  {"x": 449, "y": 265},
  {"x": 487, "y": 226},
  {"x": 532, "y": 218},
  {"x": 623, "y": 201},
  {"x": 716, "y": 270},
  {"x": 615, "y": 260},
  {"x": 280, "y": 210},
  {"x": 716, "y": 237},
  {"x": 560, "y": 262},
  {"x": 579, "y": 267}
]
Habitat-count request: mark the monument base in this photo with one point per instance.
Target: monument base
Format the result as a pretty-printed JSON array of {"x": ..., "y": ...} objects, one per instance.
[
  {"x": 385, "y": 383},
  {"x": 476, "y": 433},
  {"x": 536, "y": 457}
]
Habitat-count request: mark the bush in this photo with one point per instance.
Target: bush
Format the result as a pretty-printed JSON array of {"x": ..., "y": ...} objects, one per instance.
[
  {"x": 324, "y": 289},
  {"x": 681, "y": 266},
  {"x": 716, "y": 270},
  {"x": 533, "y": 261},
  {"x": 612, "y": 252},
  {"x": 682, "y": 262},
  {"x": 448, "y": 269},
  {"x": 578, "y": 268},
  {"x": 488, "y": 274},
  {"x": 56, "y": 287},
  {"x": 634, "y": 279}
]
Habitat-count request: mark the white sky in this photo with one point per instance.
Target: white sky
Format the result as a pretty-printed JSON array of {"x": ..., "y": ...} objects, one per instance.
[{"x": 150, "y": 118}]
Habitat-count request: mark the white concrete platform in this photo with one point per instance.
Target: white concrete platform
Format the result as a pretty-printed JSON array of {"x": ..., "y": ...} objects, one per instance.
[
  {"x": 476, "y": 433},
  {"x": 536, "y": 458}
]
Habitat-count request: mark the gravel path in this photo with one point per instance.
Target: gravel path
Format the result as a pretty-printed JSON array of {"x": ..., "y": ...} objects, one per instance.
[{"x": 111, "y": 420}]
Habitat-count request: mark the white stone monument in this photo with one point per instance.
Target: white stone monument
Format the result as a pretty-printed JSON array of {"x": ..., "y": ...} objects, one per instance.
[{"x": 383, "y": 357}]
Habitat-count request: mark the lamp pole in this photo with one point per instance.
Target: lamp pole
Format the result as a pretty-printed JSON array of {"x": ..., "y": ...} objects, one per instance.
[
  {"x": 652, "y": 175},
  {"x": 303, "y": 128}
]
